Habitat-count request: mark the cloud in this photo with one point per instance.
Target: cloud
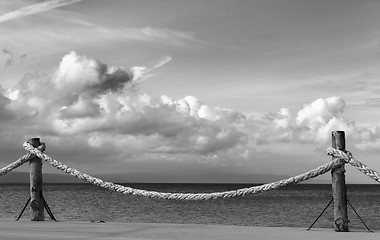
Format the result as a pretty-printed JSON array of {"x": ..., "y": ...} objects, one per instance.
[
  {"x": 311, "y": 124},
  {"x": 3, "y": 102},
  {"x": 162, "y": 62},
  {"x": 320, "y": 111},
  {"x": 314, "y": 123},
  {"x": 7, "y": 51},
  {"x": 148, "y": 34},
  {"x": 82, "y": 74},
  {"x": 12, "y": 58},
  {"x": 84, "y": 98},
  {"x": 72, "y": 88},
  {"x": 36, "y": 8},
  {"x": 88, "y": 107},
  {"x": 142, "y": 73},
  {"x": 164, "y": 35},
  {"x": 372, "y": 102},
  {"x": 321, "y": 117}
]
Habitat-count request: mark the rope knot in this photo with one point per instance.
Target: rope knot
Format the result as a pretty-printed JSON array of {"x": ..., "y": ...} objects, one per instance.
[{"x": 344, "y": 155}]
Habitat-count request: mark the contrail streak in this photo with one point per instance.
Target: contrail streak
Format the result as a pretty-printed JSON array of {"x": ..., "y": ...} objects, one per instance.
[
  {"x": 163, "y": 61},
  {"x": 36, "y": 8}
]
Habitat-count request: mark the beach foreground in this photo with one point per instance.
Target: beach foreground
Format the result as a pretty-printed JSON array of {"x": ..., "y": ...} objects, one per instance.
[{"x": 25, "y": 229}]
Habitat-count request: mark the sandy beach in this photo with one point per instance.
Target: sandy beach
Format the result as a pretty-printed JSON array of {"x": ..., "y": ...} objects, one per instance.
[{"x": 25, "y": 229}]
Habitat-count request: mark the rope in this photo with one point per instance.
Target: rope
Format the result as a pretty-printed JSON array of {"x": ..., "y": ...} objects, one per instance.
[
  {"x": 184, "y": 196},
  {"x": 347, "y": 157},
  {"x": 15, "y": 164},
  {"x": 20, "y": 161}
]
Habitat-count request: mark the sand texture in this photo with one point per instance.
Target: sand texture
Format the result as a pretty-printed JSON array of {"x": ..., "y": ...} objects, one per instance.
[{"x": 26, "y": 229}]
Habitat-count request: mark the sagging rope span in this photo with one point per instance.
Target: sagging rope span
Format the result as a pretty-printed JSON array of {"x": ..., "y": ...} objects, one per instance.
[
  {"x": 184, "y": 196},
  {"x": 20, "y": 161},
  {"x": 340, "y": 158},
  {"x": 15, "y": 164}
]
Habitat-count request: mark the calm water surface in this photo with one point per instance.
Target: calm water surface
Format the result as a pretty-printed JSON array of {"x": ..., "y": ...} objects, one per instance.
[{"x": 293, "y": 206}]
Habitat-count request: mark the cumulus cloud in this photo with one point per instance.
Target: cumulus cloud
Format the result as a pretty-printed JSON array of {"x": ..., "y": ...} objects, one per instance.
[
  {"x": 321, "y": 117},
  {"x": 85, "y": 97},
  {"x": 313, "y": 124},
  {"x": 70, "y": 92},
  {"x": 320, "y": 111},
  {"x": 88, "y": 106},
  {"x": 87, "y": 76}
]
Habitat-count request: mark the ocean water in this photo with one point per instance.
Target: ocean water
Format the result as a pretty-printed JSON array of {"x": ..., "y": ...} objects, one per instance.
[{"x": 293, "y": 206}]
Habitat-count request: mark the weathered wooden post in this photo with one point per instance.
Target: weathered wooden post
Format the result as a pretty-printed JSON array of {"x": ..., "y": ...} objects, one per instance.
[
  {"x": 35, "y": 167},
  {"x": 339, "y": 190}
]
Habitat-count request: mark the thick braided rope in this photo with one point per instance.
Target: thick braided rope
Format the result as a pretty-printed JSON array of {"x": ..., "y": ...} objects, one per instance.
[
  {"x": 184, "y": 196},
  {"x": 347, "y": 156},
  {"x": 20, "y": 161},
  {"x": 15, "y": 164}
]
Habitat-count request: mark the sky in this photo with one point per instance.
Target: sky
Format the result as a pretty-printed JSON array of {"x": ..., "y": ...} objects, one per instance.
[{"x": 174, "y": 86}]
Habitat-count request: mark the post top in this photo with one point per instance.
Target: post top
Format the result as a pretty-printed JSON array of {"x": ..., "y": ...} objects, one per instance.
[
  {"x": 35, "y": 142},
  {"x": 337, "y": 132},
  {"x": 338, "y": 140}
]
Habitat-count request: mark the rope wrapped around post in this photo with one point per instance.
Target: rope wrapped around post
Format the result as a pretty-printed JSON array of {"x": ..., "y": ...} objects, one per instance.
[
  {"x": 184, "y": 196},
  {"x": 348, "y": 158}
]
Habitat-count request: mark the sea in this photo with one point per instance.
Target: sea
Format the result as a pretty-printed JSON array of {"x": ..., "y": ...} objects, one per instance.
[{"x": 293, "y": 206}]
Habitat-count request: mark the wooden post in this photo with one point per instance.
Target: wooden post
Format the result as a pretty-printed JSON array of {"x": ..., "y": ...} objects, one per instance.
[
  {"x": 35, "y": 167},
  {"x": 339, "y": 190}
]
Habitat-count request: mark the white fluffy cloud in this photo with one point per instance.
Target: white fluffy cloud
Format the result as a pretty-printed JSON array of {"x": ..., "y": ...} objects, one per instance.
[
  {"x": 320, "y": 111},
  {"x": 89, "y": 99},
  {"x": 97, "y": 108},
  {"x": 314, "y": 124},
  {"x": 320, "y": 117}
]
